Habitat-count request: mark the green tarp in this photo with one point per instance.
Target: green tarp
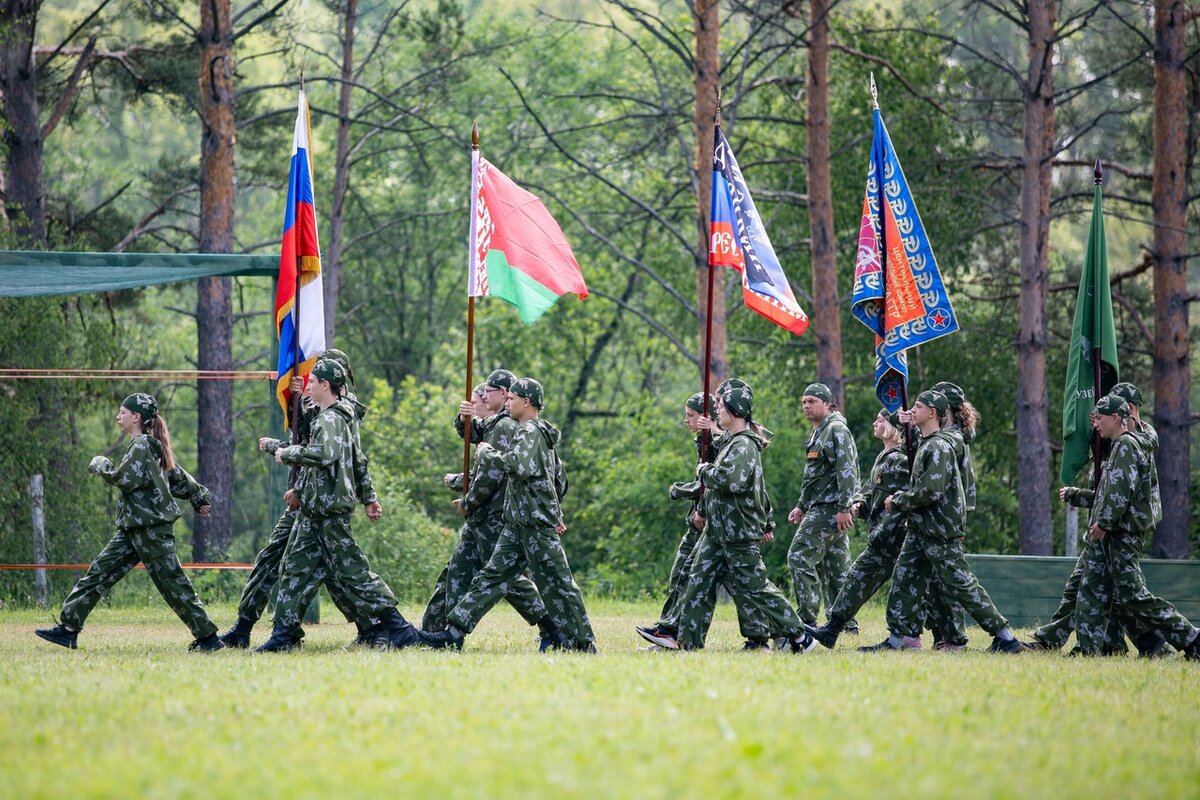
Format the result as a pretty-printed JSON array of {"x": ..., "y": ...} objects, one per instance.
[{"x": 29, "y": 273}]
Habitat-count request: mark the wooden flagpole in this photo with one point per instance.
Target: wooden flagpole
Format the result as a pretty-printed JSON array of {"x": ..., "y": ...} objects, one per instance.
[
  {"x": 470, "y": 318},
  {"x": 295, "y": 396},
  {"x": 1096, "y": 354},
  {"x": 706, "y": 454}
]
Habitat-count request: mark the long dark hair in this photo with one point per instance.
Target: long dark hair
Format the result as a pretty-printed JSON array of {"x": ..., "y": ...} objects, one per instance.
[
  {"x": 157, "y": 427},
  {"x": 967, "y": 417}
]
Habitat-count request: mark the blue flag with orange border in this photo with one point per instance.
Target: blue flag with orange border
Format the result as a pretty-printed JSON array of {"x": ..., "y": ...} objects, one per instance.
[
  {"x": 898, "y": 290},
  {"x": 736, "y": 238}
]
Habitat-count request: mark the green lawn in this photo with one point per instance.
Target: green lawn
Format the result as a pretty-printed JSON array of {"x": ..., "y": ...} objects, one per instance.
[{"x": 132, "y": 713}]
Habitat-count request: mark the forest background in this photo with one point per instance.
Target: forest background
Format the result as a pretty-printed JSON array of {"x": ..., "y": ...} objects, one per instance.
[{"x": 165, "y": 126}]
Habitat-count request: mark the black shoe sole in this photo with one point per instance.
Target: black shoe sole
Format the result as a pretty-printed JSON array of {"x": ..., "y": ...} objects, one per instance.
[{"x": 67, "y": 643}]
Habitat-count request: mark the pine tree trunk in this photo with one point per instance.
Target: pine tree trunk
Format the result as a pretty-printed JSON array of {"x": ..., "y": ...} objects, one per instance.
[
  {"x": 214, "y": 306},
  {"x": 1033, "y": 437},
  {"x": 1172, "y": 414},
  {"x": 25, "y": 201},
  {"x": 826, "y": 322},
  {"x": 707, "y": 78},
  {"x": 331, "y": 269}
]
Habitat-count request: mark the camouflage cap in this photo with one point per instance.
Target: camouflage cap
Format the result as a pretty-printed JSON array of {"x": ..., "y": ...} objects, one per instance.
[
  {"x": 1128, "y": 392},
  {"x": 953, "y": 392},
  {"x": 893, "y": 417},
  {"x": 1112, "y": 404},
  {"x": 343, "y": 359},
  {"x": 327, "y": 369},
  {"x": 934, "y": 399},
  {"x": 529, "y": 389},
  {"x": 739, "y": 400},
  {"x": 142, "y": 403},
  {"x": 501, "y": 379},
  {"x": 479, "y": 390},
  {"x": 696, "y": 403},
  {"x": 819, "y": 391}
]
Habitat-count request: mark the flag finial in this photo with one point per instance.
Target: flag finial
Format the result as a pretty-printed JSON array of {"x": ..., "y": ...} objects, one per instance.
[
  {"x": 1099, "y": 172},
  {"x": 302, "y": 75},
  {"x": 874, "y": 92},
  {"x": 717, "y": 116},
  {"x": 474, "y": 135}
]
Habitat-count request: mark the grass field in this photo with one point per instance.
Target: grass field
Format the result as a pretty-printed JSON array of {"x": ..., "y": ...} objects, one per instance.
[{"x": 132, "y": 713}]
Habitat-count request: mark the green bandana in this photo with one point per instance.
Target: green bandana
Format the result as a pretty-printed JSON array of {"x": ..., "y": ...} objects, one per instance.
[
  {"x": 696, "y": 403},
  {"x": 934, "y": 399},
  {"x": 501, "y": 379},
  {"x": 1128, "y": 392},
  {"x": 819, "y": 391},
  {"x": 327, "y": 369},
  {"x": 739, "y": 400},
  {"x": 1111, "y": 404},
  {"x": 953, "y": 392},
  {"x": 142, "y": 403},
  {"x": 529, "y": 389},
  {"x": 343, "y": 359}
]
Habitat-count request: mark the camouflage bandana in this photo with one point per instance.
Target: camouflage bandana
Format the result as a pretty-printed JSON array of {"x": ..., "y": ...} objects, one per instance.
[
  {"x": 1112, "y": 404},
  {"x": 953, "y": 392},
  {"x": 727, "y": 383},
  {"x": 739, "y": 400},
  {"x": 893, "y": 418},
  {"x": 529, "y": 389},
  {"x": 479, "y": 390},
  {"x": 142, "y": 403},
  {"x": 696, "y": 403},
  {"x": 501, "y": 379},
  {"x": 819, "y": 391},
  {"x": 1128, "y": 392},
  {"x": 934, "y": 399},
  {"x": 343, "y": 359},
  {"x": 329, "y": 370}
]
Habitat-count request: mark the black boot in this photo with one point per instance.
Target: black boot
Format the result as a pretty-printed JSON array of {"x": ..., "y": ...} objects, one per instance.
[
  {"x": 826, "y": 634},
  {"x": 1152, "y": 645},
  {"x": 1192, "y": 651},
  {"x": 239, "y": 635},
  {"x": 282, "y": 640},
  {"x": 209, "y": 644},
  {"x": 60, "y": 635},
  {"x": 552, "y": 637},
  {"x": 451, "y": 637},
  {"x": 400, "y": 632}
]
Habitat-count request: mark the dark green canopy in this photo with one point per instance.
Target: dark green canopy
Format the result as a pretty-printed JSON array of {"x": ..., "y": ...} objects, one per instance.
[{"x": 28, "y": 273}]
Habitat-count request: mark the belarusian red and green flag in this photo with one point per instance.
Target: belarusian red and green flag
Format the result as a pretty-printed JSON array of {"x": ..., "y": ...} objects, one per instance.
[{"x": 517, "y": 251}]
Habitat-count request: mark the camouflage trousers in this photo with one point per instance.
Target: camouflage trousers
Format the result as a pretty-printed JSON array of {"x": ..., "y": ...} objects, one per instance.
[
  {"x": 1129, "y": 596},
  {"x": 265, "y": 575},
  {"x": 322, "y": 550},
  {"x": 476, "y": 542},
  {"x": 1058, "y": 630},
  {"x": 819, "y": 559},
  {"x": 925, "y": 561},
  {"x": 540, "y": 551},
  {"x": 154, "y": 547},
  {"x": 870, "y": 570},
  {"x": 746, "y": 579},
  {"x": 750, "y": 623}
]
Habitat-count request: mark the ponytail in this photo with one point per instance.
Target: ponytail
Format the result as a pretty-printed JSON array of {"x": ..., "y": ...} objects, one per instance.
[
  {"x": 157, "y": 427},
  {"x": 967, "y": 417}
]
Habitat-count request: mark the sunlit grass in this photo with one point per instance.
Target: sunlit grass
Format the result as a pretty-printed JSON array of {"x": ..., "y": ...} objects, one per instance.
[{"x": 132, "y": 713}]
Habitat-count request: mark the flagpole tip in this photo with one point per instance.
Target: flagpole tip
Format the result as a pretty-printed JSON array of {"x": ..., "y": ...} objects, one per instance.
[
  {"x": 717, "y": 115},
  {"x": 874, "y": 92},
  {"x": 474, "y": 135},
  {"x": 1099, "y": 172}
]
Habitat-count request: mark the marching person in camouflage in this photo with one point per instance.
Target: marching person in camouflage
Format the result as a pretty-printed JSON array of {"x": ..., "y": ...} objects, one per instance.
[
  {"x": 483, "y": 508},
  {"x": 322, "y": 549},
  {"x": 934, "y": 505},
  {"x": 1054, "y": 634},
  {"x": 148, "y": 480},
  {"x": 886, "y": 529},
  {"x": 751, "y": 628},
  {"x": 264, "y": 576},
  {"x": 735, "y": 508},
  {"x": 531, "y": 535},
  {"x": 823, "y": 510},
  {"x": 1125, "y": 507}
]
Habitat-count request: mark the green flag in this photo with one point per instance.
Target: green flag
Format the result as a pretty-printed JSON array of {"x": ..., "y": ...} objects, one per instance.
[{"x": 1092, "y": 330}]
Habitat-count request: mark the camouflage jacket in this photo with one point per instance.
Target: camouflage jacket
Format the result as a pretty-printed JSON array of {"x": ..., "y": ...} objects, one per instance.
[
  {"x": 364, "y": 486},
  {"x": 147, "y": 493},
  {"x": 1125, "y": 500},
  {"x": 1147, "y": 439},
  {"x": 736, "y": 506},
  {"x": 336, "y": 469},
  {"x": 934, "y": 500},
  {"x": 530, "y": 464},
  {"x": 888, "y": 476},
  {"x": 966, "y": 467},
  {"x": 485, "y": 495},
  {"x": 480, "y": 426},
  {"x": 830, "y": 465},
  {"x": 690, "y": 490}
]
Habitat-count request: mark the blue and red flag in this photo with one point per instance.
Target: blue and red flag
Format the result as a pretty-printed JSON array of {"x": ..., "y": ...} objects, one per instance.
[
  {"x": 299, "y": 320},
  {"x": 736, "y": 238},
  {"x": 898, "y": 291}
]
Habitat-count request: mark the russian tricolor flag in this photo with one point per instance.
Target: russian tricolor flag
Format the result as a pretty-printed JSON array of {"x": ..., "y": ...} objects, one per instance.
[{"x": 299, "y": 319}]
